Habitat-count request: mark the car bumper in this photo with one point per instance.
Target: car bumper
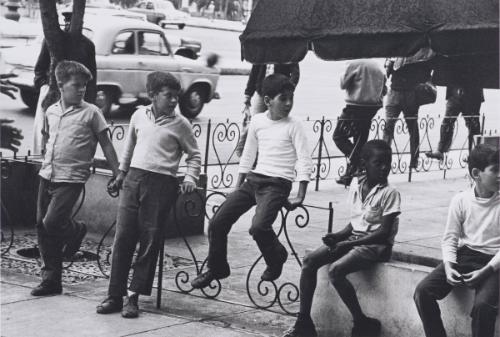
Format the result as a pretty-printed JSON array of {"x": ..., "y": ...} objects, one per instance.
[{"x": 172, "y": 22}]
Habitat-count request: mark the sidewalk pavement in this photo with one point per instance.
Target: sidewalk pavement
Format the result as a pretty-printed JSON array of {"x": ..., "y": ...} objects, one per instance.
[{"x": 424, "y": 207}]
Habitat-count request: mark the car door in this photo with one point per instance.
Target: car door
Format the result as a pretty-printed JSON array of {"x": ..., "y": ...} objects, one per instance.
[
  {"x": 123, "y": 66},
  {"x": 155, "y": 54}
]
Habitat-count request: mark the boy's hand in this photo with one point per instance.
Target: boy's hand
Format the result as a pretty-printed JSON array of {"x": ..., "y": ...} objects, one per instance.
[
  {"x": 115, "y": 184},
  {"x": 453, "y": 277},
  {"x": 331, "y": 239},
  {"x": 477, "y": 276},
  {"x": 187, "y": 187},
  {"x": 293, "y": 203},
  {"x": 343, "y": 247}
]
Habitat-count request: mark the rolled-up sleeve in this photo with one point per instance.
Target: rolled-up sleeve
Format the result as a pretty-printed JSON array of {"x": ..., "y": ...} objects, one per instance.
[
  {"x": 128, "y": 149},
  {"x": 304, "y": 160}
]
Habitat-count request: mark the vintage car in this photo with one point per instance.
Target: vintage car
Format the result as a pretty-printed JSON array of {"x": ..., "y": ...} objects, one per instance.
[
  {"x": 161, "y": 12},
  {"x": 126, "y": 51}
]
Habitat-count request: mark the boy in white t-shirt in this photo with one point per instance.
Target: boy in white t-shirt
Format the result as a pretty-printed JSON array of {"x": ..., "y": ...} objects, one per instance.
[
  {"x": 366, "y": 240},
  {"x": 282, "y": 146},
  {"x": 471, "y": 250}
]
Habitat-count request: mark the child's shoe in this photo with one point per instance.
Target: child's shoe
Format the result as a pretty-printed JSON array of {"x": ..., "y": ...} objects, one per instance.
[
  {"x": 204, "y": 279},
  {"x": 367, "y": 327},
  {"x": 435, "y": 155},
  {"x": 110, "y": 305},
  {"x": 47, "y": 288},
  {"x": 131, "y": 307},
  {"x": 302, "y": 328},
  {"x": 273, "y": 270}
]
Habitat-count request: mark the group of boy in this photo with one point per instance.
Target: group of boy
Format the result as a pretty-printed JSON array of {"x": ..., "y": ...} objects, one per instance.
[{"x": 147, "y": 176}]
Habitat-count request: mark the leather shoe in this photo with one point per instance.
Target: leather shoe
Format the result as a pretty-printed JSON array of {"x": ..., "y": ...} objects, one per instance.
[
  {"x": 204, "y": 279},
  {"x": 435, "y": 155},
  {"x": 110, "y": 304},
  {"x": 47, "y": 288},
  {"x": 131, "y": 307},
  {"x": 273, "y": 272}
]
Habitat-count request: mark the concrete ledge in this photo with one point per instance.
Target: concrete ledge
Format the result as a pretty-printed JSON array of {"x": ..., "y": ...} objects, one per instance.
[{"x": 386, "y": 292}]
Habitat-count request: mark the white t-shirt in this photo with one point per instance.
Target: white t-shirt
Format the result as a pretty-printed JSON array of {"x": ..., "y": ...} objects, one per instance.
[
  {"x": 473, "y": 222},
  {"x": 366, "y": 215},
  {"x": 282, "y": 147}
]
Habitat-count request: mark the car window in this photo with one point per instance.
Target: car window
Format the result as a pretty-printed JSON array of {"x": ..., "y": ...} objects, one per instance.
[
  {"x": 150, "y": 6},
  {"x": 151, "y": 43},
  {"x": 124, "y": 43},
  {"x": 142, "y": 5}
]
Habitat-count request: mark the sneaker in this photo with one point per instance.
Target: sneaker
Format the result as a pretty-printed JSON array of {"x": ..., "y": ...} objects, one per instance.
[
  {"x": 131, "y": 307},
  {"x": 273, "y": 272},
  {"x": 434, "y": 155},
  {"x": 74, "y": 244},
  {"x": 47, "y": 288},
  {"x": 301, "y": 329},
  {"x": 204, "y": 279},
  {"x": 110, "y": 304},
  {"x": 368, "y": 327}
]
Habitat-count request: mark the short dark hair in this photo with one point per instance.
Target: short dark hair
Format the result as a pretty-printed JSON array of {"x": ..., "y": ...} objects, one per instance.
[
  {"x": 66, "y": 69},
  {"x": 276, "y": 84},
  {"x": 374, "y": 144},
  {"x": 159, "y": 79},
  {"x": 482, "y": 156}
]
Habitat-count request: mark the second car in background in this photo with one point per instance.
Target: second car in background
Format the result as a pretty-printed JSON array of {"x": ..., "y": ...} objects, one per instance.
[{"x": 161, "y": 12}]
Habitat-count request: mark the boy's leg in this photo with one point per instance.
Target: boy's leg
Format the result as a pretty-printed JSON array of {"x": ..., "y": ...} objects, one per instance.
[
  {"x": 55, "y": 205},
  {"x": 271, "y": 195},
  {"x": 356, "y": 259},
  {"x": 485, "y": 309},
  {"x": 471, "y": 108},
  {"x": 304, "y": 325},
  {"x": 237, "y": 203},
  {"x": 392, "y": 110},
  {"x": 432, "y": 288},
  {"x": 157, "y": 196},
  {"x": 363, "y": 122},
  {"x": 126, "y": 234}
]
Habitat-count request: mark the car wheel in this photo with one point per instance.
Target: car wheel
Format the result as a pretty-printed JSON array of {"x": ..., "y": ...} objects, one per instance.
[
  {"x": 30, "y": 98},
  {"x": 104, "y": 100},
  {"x": 181, "y": 26},
  {"x": 192, "y": 102}
]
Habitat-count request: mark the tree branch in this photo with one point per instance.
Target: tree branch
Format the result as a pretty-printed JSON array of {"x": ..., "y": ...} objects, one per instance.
[{"x": 77, "y": 18}]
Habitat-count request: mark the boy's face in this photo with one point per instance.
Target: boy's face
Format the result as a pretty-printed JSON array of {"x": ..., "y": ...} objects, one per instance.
[
  {"x": 165, "y": 101},
  {"x": 489, "y": 178},
  {"x": 73, "y": 91},
  {"x": 281, "y": 105},
  {"x": 378, "y": 166}
]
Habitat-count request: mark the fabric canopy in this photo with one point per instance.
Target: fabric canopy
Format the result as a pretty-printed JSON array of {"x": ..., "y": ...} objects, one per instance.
[{"x": 282, "y": 31}]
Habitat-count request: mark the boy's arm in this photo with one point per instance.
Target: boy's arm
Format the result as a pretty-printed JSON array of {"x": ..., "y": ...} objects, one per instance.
[
  {"x": 295, "y": 202},
  {"x": 249, "y": 151},
  {"x": 109, "y": 151},
  {"x": 251, "y": 83},
  {"x": 331, "y": 239},
  {"x": 128, "y": 149},
  {"x": 452, "y": 231},
  {"x": 190, "y": 147},
  {"x": 304, "y": 161},
  {"x": 476, "y": 277}
]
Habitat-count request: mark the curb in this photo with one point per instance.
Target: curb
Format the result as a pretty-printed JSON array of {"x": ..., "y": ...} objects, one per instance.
[
  {"x": 214, "y": 27},
  {"x": 234, "y": 71}
]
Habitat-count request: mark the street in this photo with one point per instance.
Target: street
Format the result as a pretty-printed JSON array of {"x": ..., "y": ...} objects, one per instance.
[{"x": 318, "y": 92}]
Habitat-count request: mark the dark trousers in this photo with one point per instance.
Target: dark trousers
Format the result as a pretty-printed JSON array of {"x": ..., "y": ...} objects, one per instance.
[
  {"x": 434, "y": 287},
  {"x": 270, "y": 195},
  {"x": 403, "y": 101},
  {"x": 145, "y": 202},
  {"x": 470, "y": 111},
  {"x": 54, "y": 226},
  {"x": 355, "y": 122}
]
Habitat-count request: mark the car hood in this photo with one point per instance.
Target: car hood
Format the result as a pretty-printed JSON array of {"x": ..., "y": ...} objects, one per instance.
[{"x": 22, "y": 56}]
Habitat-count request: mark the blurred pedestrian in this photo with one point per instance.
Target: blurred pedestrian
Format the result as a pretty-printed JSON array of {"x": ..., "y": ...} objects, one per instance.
[
  {"x": 406, "y": 73},
  {"x": 465, "y": 97},
  {"x": 364, "y": 83},
  {"x": 10, "y": 136}
]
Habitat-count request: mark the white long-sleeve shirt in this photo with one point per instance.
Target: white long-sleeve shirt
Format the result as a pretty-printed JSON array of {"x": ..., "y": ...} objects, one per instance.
[
  {"x": 282, "y": 147},
  {"x": 475, "y": 223},
  {"x": 157, "y": 145}
]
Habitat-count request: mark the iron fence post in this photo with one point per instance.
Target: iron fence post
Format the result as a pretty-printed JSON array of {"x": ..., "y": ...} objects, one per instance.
[
  {"x": 207, "y": 146},
  {"x": 330, "y": 217},
  {"x": 320, "y": 153}
]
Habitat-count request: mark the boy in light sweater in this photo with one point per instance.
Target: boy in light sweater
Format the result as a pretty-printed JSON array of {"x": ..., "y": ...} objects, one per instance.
[
  {"x": 364, "y": 83},
  {"x": 156, "y": 140},
  {"x": 282, "y": 146},
  {"x": 471, "y": 250}
]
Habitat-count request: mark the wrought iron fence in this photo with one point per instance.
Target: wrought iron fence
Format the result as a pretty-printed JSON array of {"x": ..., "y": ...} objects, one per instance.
[{"x": 218, "y": 140}]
